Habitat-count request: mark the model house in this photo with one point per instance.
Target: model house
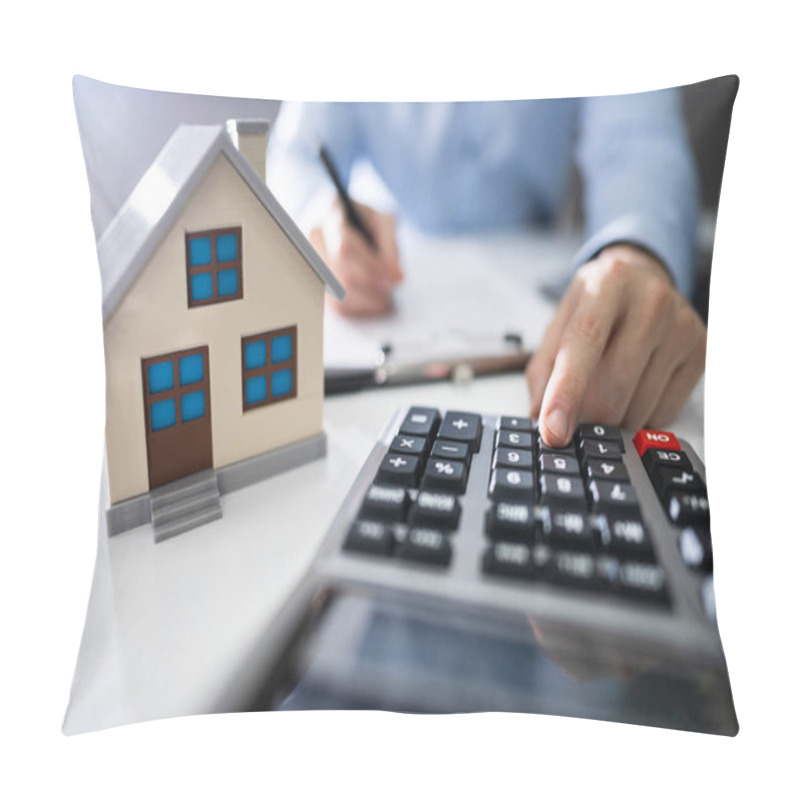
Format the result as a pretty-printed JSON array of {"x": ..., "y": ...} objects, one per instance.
[{"x": 212, "y": 313}]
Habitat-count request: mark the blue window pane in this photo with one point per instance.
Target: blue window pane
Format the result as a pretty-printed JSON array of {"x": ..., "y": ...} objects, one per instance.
[
  {"x": 227, "y": 247},
  {"x": 202, "y": 286},
  {"x": 190, "y": 369},
  {"x": 255, "y": 354},
  {"x": 200, "y": 251},
  {"x": 160, "y": 377},
  {"x": 227, "y": 282},
  {"x": 162, "y": 414},
  {"x": 256, "y": 389},
  {"x": 281, "y": 348},
  {"x": 281, "y": 383},
  {"x": 193, "y": 405}
]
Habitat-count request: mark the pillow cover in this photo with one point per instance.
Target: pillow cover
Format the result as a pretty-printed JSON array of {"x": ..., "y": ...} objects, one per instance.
[{"x": 220, "y": 478}]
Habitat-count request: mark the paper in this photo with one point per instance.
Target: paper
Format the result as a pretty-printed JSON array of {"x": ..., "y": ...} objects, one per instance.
[{"x": 460, "y": 299}]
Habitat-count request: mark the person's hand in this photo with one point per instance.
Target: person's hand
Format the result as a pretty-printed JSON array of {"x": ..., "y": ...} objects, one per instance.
[
  {"x": 624, "y": 348},
  {"x": 369, "y": 275}
]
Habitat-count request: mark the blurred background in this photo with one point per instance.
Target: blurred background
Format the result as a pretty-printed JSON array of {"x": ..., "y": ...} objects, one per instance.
[{"x": 122, "y": 130}]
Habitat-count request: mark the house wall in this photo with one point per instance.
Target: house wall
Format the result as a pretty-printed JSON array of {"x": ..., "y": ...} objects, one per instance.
[{"x": 280, "y": 289}]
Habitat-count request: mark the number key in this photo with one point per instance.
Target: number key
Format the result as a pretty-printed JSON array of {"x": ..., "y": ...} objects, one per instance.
[
  {"x": 606, "y": 469},
  {"x": 513, "y": 459},
  {"x": 563, "y": 489},
  {"x": 514, "y": 439},
  {"x": 513, "y": 485},
  {"x": 609, "y": 495},
  {"x": 560, "y": 465},
  {"x": 594, "y": 448}
]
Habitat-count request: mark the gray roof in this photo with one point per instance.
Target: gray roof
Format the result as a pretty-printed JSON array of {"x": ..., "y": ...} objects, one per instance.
[{"x": 131, "y": 237}]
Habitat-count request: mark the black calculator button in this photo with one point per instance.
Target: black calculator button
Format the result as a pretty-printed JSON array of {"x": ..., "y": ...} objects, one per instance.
[
  {"x": 399, "y": 470},
  {"x": 559, "y": 465},
  {"x": 612, "y": 495},
  {"x": 511, "y": 522},
  {"x": 524, "y": 424},
  {"x": 643, "y": 581},
  {"x": 594, "y": 448},
  {"x": 667, "y": 479},
  {"x": 541, "y": 447},
  {"x": 444, "y": 475},
  {"x": 687, "y": 508},
  {"x": 573, "y": 569},
  {"x": 509, "y": 559},
  {"x": 607, "y": 572},
  {"x": 366, "y": 536},
  {"x": 426, "y": 545},
  {"x": 458, "y": 426},
  {"x": 606, "y": 469},
  {"x": 568, "y": 529},
  {"x": 605, "y": 433},
  {"x": 410, "y": 445},
  {"x": 513, "y": 485},
  {"x": 653, "y": 458},
  {"x": 453, "y": 451},
  {"x": 420, "y": 422},
  {"x": 435, "y": 509},
  {"x": 562, "y": 489},
  {"x": 694, "y": 543},
  {"x": 624, "y": 535},
  {"x": 513, "y": 459},
  {"x": 385, "y": 502},
  {"x": 514, "y": 440}
]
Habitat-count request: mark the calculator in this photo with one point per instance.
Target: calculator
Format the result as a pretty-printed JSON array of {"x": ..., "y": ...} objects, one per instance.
[{"x": 473, "y": 567}]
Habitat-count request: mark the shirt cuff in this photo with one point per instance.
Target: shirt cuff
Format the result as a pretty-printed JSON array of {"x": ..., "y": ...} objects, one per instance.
[{"x": 675, "y": 255}]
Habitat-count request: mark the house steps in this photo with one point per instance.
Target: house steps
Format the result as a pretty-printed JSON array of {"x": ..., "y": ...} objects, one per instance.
[{"x": 185, "y": 504}]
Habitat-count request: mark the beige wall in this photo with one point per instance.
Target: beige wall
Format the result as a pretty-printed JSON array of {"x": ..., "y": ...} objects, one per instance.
[{"x": 280, "y": 289}]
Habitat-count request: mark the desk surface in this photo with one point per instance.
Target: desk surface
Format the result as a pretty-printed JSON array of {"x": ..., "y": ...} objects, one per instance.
[{"x": 169, "y": 626}]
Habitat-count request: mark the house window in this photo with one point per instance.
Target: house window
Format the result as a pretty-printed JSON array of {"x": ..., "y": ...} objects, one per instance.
[
  {"x": 269, "y": 367},
  {"x": 175, "y": 388},
  {"x": 214, "y": 266}
]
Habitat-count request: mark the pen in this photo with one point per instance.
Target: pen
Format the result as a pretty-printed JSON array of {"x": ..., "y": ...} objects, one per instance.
[{"x": 353, "y": 219}]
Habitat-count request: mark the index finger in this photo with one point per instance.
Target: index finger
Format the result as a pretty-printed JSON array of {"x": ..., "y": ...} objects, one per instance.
[{"x": 583, "y": 343}]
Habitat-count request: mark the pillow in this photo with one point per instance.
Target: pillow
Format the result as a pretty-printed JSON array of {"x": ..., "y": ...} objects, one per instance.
[{"x": 213, "y": 302}]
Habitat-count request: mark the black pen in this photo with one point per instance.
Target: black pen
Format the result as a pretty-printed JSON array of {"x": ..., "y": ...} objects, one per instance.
[{"x": 353, "y": 218}]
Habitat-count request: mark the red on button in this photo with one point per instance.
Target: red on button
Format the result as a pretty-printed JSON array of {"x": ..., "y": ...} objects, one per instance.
[{"x": 660, "y": 440}]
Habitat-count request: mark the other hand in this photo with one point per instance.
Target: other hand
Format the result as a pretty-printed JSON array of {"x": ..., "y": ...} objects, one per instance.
[
  {"x": 624, "y": 348},
  {"x": 369, "y": 275}
]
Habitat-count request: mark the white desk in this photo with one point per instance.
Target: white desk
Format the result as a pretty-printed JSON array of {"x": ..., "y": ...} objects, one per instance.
[{"x": 169, "y": 626}]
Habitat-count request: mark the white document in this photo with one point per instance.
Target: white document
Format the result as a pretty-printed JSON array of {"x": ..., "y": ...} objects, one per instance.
[{"x": 462, "y": 298}]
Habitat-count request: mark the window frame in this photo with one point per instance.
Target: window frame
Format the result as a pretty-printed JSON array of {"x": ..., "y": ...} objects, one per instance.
[
  {"x": 269, "y": 369},
  {"x": 178, "y": 390},
  {"x": 214, "y": 267}
]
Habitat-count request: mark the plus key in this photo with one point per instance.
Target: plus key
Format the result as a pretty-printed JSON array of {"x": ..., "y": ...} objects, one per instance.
[{"x": 458, "y": 426}]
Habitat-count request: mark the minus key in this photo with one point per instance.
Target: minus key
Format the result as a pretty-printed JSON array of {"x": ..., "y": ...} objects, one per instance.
[{"x": 455, "y": 451}]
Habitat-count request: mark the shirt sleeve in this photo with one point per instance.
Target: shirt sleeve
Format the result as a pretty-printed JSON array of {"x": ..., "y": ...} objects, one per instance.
[
  {"x": 639, "y": 179},
  {"x": 295, "y": 174}
]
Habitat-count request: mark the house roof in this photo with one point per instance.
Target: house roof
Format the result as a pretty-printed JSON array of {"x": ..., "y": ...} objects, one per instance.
[{"x": 139, "y": 226}]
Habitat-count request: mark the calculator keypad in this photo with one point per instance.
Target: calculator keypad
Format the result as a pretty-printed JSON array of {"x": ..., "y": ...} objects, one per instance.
[
  {"x": 579, "y": 524},
  {"x": 567, "y": 517}
]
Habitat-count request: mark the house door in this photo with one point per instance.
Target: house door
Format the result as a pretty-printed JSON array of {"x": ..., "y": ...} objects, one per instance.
[{"x": 177, "y": 408}]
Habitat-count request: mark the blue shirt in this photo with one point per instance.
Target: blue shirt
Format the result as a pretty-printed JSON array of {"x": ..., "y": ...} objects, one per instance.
[{"x": 467, "y": 166}]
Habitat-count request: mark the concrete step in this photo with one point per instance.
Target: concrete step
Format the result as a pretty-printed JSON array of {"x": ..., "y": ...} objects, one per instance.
[
  {"x": 198, "y": 483},
  {"x": 183, "y": 507},
  {"x": 183, "y": 524},
  {"x": 184, "y": 504}
]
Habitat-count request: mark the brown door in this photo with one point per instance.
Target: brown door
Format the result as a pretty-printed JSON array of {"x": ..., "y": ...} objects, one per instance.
[{"x": 177, "y": 406}]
